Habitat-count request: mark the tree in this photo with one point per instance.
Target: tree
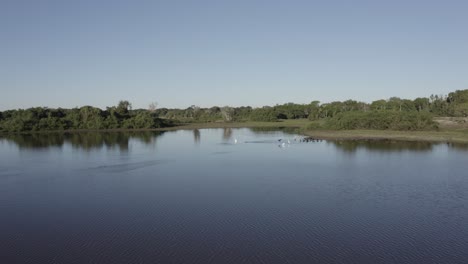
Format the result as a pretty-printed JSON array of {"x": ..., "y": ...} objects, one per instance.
[
  {"x": 263, "y": 114},
  {"x": 458, "y": 97},
  {"x": 123, "y": 108},
  {"x": 379, "y": 105},
  {"x": 143, "y": 120},
  {"x": 313, "y": 110},
  {"x": 439, "y": 105},
  {"x": 331, "y": 109},
  {"x": 91, "y": 118},
  {"x": 227, "y": 113},
  {"x": 152, "y": 107},
  {"x": 461, "y": 109},
  {"x": 395, "y": 104},
  {"x": 421, "y": 104}
]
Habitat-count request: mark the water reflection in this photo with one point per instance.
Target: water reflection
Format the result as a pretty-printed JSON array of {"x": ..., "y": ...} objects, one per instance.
[
  {"x": 269, "y": 130},
  {"x": 227, "y": 134},
  {"x": 86, "y": 141},
  {"x": 196, "y": 136},
  {"x": 351, "y": 146},
  {"x": 458, "y": 146},
  {"x": 121, "y": 140}
]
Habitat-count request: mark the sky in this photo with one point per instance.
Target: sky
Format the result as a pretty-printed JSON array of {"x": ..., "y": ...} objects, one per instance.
[{"x": 69, "y": 53}]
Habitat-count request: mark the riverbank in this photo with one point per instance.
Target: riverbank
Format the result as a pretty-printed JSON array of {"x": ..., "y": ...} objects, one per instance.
[
  {"x": 446, "y": 133},
  {"x": 452, "y": 133},
  {"x": 427, "y": 136}
]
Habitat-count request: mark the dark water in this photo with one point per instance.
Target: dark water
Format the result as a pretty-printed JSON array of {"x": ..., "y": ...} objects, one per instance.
[{"x": 199, "y": 197}]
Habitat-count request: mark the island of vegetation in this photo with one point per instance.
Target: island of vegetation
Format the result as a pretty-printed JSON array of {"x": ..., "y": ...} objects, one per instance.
[{"x": 434, "y": 118}]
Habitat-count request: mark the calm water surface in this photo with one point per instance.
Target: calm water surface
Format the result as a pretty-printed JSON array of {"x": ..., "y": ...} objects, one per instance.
[{"x": 196, "y": 196}]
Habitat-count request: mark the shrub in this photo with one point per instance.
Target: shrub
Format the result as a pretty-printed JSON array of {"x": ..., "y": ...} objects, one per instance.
[{"x": 382, "y": 120}]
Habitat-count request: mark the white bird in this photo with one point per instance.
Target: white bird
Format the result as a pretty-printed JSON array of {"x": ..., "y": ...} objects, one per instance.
[{"x": 235, "y": 141}]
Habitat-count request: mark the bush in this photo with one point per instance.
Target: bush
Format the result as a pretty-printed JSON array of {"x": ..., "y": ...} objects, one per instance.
[
  {"x": 263, "y": 114},
  {"x": 382, "y": 120},
  {"x": 315, "y": 125}
]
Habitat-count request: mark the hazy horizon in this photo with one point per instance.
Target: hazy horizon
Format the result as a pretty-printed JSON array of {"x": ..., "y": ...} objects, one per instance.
[
  {"x": 158, "y": 106},
  {"x": 244, "y": 53}
]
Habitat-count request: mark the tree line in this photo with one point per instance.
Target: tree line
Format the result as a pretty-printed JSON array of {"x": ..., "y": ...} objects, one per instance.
[
  {"x": 83, "y": 118},
  {"x": 453, "y": 104},
  {"x": 393, "y": 113}
]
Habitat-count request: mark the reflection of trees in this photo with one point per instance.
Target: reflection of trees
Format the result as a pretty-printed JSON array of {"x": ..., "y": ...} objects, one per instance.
[
  {"x": 196, "y": 135},
  {"x": 272, "y": 130},
  {"x": 227, "y": 133},
  {"x": 89, "y": 141},
  {"x": 36, "y": 141},
  {"x": 350, "y": 146},
  {"x": 86, "y": 141},
  {"x": 459, "y": 146}
]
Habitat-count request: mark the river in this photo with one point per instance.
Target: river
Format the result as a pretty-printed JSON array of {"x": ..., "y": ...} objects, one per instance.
[{"x": 230, "y": 196}]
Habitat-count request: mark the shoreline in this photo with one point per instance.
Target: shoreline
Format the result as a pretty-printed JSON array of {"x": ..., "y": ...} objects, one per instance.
[
  {"x": 443, "y": 135},
  {"x": 411, "y": 136}
]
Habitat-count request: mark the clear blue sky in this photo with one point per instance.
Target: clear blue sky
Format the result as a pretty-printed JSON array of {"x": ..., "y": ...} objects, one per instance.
[{"x": 179, "y": 53}]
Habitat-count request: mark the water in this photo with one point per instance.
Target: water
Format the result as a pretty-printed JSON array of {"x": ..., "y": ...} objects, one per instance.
[{"x": 199, "y": 197}]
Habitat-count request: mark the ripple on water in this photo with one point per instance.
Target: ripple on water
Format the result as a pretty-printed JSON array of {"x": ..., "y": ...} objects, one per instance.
[{"x": 124, "y": 167}]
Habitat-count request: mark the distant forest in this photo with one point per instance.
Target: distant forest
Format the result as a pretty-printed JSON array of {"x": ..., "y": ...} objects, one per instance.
[{"x": 394, "y": 113}]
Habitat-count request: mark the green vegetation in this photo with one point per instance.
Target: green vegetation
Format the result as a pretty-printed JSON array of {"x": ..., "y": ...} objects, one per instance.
[
  {"x": 84, "y": 118},
  {"x": 418, "y": 110},
  {"x": 379, "y": 120},
  {"x": 392, "y": 114}
]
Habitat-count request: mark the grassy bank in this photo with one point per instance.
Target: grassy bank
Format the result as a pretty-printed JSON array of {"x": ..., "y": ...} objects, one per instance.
[{"x": 288, "y": 123}]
